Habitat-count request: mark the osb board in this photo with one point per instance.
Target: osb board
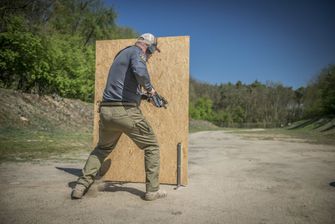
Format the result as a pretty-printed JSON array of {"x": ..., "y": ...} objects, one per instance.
[{"x": 169, "y": 71}]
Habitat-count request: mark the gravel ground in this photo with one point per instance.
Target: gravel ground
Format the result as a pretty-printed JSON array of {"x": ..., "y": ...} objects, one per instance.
[{"x": 231, "y": 180}]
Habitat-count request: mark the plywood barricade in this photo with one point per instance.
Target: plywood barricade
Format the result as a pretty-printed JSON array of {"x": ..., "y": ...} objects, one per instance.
[{"x": 169, "y": 72}]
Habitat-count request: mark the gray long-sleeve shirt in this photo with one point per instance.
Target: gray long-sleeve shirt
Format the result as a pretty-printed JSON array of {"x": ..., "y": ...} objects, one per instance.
[{"x": 126, "y": 76}]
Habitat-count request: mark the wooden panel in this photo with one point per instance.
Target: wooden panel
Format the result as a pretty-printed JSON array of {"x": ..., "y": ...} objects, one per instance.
[{"x": 169, "y": 72}]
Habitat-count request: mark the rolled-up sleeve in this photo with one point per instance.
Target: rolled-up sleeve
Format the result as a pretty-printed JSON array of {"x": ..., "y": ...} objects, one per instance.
[{"x": 139, "y": 68}]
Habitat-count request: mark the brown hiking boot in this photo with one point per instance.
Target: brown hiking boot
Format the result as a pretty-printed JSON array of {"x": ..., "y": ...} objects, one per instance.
[
  {"x": 78, "y": 191},
  {"x": 150, "y": 196}
]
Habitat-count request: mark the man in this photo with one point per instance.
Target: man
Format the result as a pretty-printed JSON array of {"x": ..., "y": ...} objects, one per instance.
[{"x": 120, "y": 113}]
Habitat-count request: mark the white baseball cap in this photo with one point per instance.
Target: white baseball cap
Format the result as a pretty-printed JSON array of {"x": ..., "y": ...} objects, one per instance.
[{"x": 149, "y": 39}]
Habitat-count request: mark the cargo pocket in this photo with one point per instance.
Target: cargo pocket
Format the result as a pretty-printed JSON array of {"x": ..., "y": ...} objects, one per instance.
[
  {"x": 117, "y": 118},
  {"x": 144, "y": 128}
]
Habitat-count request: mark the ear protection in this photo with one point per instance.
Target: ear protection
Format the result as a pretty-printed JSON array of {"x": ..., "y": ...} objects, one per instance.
[
  {"x": 150, "y": 41},
  {"x": 151, "y": 48}
]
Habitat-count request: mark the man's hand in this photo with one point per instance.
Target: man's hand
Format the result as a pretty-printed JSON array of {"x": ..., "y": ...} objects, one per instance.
[
  {"x": 158, "y": 101},
  {"x": 152, "y": 92},
  {"x": 154, "y": 98}
]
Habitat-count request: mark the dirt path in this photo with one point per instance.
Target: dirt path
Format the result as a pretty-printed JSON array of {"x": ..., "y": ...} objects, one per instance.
[{"x": 232, "y": 180}]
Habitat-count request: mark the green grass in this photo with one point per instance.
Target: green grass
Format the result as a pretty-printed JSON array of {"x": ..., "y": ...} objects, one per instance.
[
  {"x": 310, "y": 135},
  {"x": 305, "y": 134},
  {"x": 197, "y": 129},
  {"x": 27, "y": 144},
  {"x": 201, "y": 125}
]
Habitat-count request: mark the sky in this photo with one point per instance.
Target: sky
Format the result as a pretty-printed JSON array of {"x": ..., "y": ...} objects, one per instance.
[{"x": 286, "y": 41}]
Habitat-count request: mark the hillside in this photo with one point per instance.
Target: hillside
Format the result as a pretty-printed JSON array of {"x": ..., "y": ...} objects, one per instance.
[
  {"x": 44, "y": 113},
  {"x": 325, "y": 125},
  {"x": 34, "y": 127}
]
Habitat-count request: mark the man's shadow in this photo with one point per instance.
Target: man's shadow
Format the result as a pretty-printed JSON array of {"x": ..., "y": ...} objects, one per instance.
[
  {"x": 103, "y": 186},
  {"x": 111, "y": 186},
  {"x": 73, "y": 171}
]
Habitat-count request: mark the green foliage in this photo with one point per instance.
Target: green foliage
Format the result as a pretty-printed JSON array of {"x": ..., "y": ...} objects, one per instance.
[
  {"x": 22, "y": 57},
  {"x": 49, "y": 46},
  {"x": 71, "y": 67},
  {"x": 319, "y": 96},
  {"x": 202, "y": 109},
  {"x": 267, "y": 105},
  {"x": 264, "y": 105},
  {"x": 328, "y": 91}
]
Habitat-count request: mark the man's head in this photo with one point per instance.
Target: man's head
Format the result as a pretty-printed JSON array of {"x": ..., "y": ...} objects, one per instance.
[{"x": 149, "y": 42}]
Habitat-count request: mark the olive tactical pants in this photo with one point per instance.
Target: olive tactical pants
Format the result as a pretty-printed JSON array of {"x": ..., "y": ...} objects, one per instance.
[{"x": 115, "y": 120}]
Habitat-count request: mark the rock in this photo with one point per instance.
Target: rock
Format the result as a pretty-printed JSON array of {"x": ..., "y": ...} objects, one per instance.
[{"x": 24, "y": 119}]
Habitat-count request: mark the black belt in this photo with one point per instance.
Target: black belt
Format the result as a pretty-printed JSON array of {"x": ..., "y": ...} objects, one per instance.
[{"x": 116, "y": 103}]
